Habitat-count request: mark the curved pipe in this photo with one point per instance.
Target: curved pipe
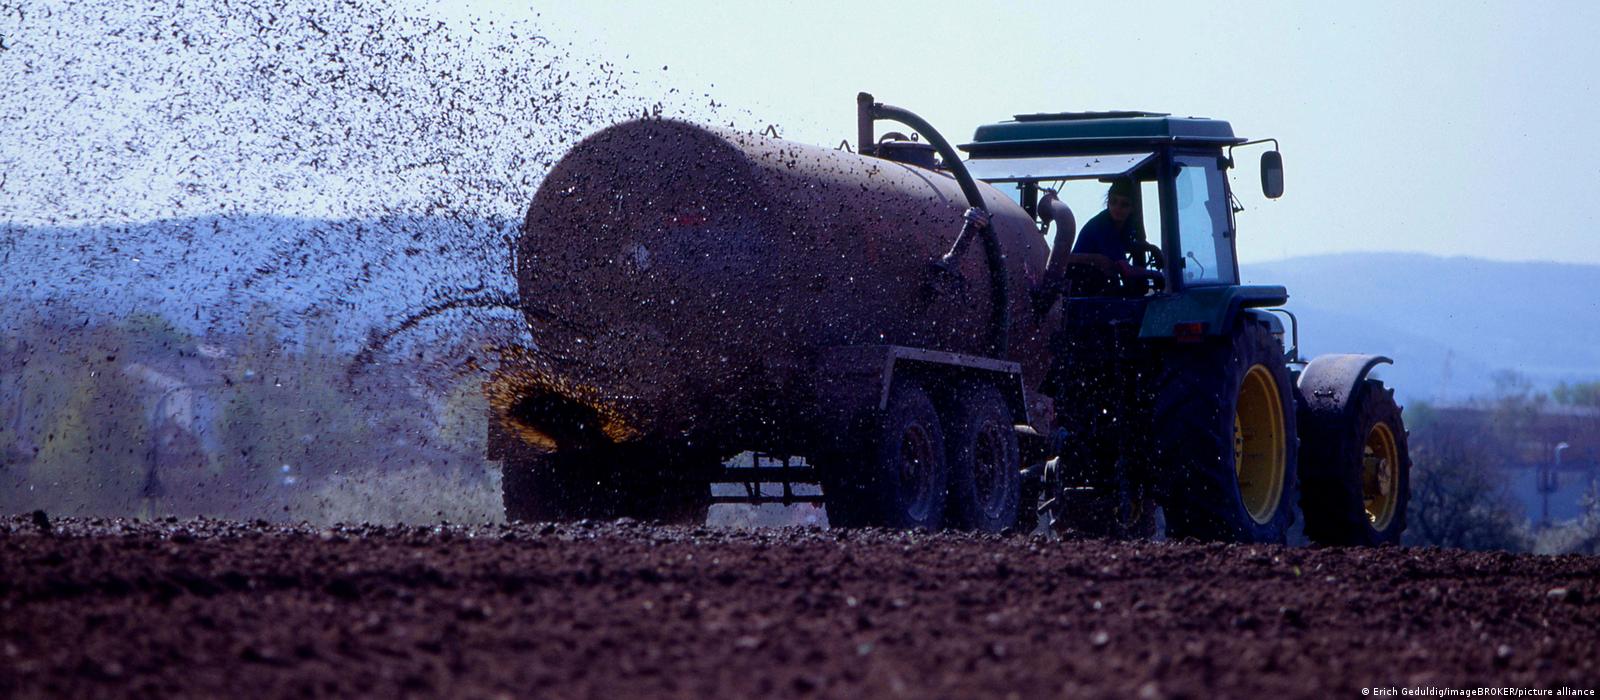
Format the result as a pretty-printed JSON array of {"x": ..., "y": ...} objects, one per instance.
[
  {"x": 1053, "y": 210},
  {"x": 869, "y": 111},
  {"x": 952, "y": 160},
  {"x": 378, "y": 340}
]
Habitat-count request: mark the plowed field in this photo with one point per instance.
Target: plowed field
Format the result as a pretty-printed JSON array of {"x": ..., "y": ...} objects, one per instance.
[{"x": 92, "y": 608}]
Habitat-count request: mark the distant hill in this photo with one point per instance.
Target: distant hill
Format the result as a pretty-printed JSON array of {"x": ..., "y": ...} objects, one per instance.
[{"x": 1449, "y": 323}]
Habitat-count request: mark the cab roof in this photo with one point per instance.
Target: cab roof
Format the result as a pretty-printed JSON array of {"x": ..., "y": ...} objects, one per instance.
[{"x": 1098, "y": 132}]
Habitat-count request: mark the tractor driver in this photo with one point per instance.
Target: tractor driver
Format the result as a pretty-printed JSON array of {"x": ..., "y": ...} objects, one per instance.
[{"x": 1111, "y": 238}]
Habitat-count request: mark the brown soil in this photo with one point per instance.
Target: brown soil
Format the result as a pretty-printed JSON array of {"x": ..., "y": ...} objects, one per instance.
[{"x": 93, "y": 608}]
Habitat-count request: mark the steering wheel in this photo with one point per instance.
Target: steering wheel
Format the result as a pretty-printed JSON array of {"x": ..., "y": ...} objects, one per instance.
[
  {"x": 1151, "y": 276},
  {"x": 1138, "y": 272},
  {"x": 1145, "y": 281},
  {"x": 1155, "y": 260}
]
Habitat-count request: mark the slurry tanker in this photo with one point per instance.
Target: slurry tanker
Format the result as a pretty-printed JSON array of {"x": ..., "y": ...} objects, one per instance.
[{"x": 907, "y": 333}]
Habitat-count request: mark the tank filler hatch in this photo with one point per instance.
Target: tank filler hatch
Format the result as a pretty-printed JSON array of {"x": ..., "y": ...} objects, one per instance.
[{"x": 896, "y": 147}]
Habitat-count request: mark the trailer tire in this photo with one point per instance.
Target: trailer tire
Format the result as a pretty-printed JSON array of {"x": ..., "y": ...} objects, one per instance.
[
  {"x": 640, "y": 483},
  {"x": 1225, "y": 425},
  {"x": 1357, "y": 473},
  {"x": 895, "y": 475},
  {"x": 984, "y": 458}
]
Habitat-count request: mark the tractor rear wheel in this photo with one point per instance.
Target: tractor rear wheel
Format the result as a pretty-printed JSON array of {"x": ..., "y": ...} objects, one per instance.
[
  {"x": 985, "y": 462},
  {"x": 896, "y": 475},
  {"x": 645, "y": 484},
  {"x": 1358, "y": 473},
  {"x": 1225, "y": 420}
]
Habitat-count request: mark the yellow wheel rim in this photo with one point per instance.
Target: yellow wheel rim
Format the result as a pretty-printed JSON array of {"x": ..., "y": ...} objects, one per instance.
[
  {"x": 1380, "y": 476},
  {"x": 1260, "y": 447}
]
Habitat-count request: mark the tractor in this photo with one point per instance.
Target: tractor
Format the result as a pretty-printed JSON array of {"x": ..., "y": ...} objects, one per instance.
[{"x": 1173, "y": 389}]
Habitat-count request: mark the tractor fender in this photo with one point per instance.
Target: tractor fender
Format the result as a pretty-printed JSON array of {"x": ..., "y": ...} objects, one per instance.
[
  {"x": 1214, "y": 309},
  {"x": 1329, "y": 382}
]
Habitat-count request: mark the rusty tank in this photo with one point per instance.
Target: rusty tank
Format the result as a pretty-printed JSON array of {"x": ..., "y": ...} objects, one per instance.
[{"x": 680, "y": 281}]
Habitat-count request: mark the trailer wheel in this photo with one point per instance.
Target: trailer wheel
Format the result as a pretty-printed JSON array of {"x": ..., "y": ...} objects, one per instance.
[
  {"x": 1358, "y": 474},
  {"x": 896, "y": 476},
  {"x": 985, "y": 463},
  {"x": 645, "y": 484},
  {"x": 1225, "y": 421}
]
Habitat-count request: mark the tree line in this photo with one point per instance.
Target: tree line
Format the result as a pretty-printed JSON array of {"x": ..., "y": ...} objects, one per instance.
[
  {"x": 136, "y": 416},
  {"x": 1463, "y": 456}
]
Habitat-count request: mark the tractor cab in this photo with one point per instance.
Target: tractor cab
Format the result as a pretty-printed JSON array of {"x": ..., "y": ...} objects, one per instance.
[
  {"x": 1169, "y": 384},
  {"x": 1181, "y": 233},
  {"x": 1144, "y": 256}
]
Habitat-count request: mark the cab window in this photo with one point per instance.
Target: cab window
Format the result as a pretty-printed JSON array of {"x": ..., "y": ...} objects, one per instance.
[{"x": 1204, "y": 234}]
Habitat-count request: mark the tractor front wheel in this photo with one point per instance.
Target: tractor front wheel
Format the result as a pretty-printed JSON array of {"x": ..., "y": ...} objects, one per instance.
[{"x": 1358, "y": 473}]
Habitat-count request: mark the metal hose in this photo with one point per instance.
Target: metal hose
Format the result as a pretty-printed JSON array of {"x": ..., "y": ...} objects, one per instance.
[{"x": 999, "y": 285}]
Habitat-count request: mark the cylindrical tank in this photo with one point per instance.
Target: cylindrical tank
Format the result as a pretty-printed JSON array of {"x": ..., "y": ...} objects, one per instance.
[{"x": 680, "y": 280}]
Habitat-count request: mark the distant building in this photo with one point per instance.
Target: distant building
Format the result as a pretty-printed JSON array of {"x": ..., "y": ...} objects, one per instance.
[
  {"x": 1536, "y": 431},
  {"x": 1528, "y": 437},
  {"x": 181, "y": 409}
]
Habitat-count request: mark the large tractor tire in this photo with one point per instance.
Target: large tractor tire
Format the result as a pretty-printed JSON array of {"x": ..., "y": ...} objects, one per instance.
[
  {"x": 894, "y": 476},
  {"x": 1225, "y": 421},
  {"x": 1357, "y": 473},
  {"x": 984, "y": 458},
  {"x": 644, "y": 484}
]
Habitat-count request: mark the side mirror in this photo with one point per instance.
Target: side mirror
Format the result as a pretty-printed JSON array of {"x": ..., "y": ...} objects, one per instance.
[{"x": 1272, "y": 174}]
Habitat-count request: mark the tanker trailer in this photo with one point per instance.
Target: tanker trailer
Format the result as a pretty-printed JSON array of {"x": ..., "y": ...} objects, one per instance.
[{"x": 694, "y": 292}]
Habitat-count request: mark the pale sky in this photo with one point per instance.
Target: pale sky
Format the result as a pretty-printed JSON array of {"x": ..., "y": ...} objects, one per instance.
[{"x": 1452, "y": 128}]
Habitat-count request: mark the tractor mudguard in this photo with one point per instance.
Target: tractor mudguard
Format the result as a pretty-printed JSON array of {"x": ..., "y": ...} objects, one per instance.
[
  {"x": 1329, "y": 381},
  {"x": 1213, "y": 308}
]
